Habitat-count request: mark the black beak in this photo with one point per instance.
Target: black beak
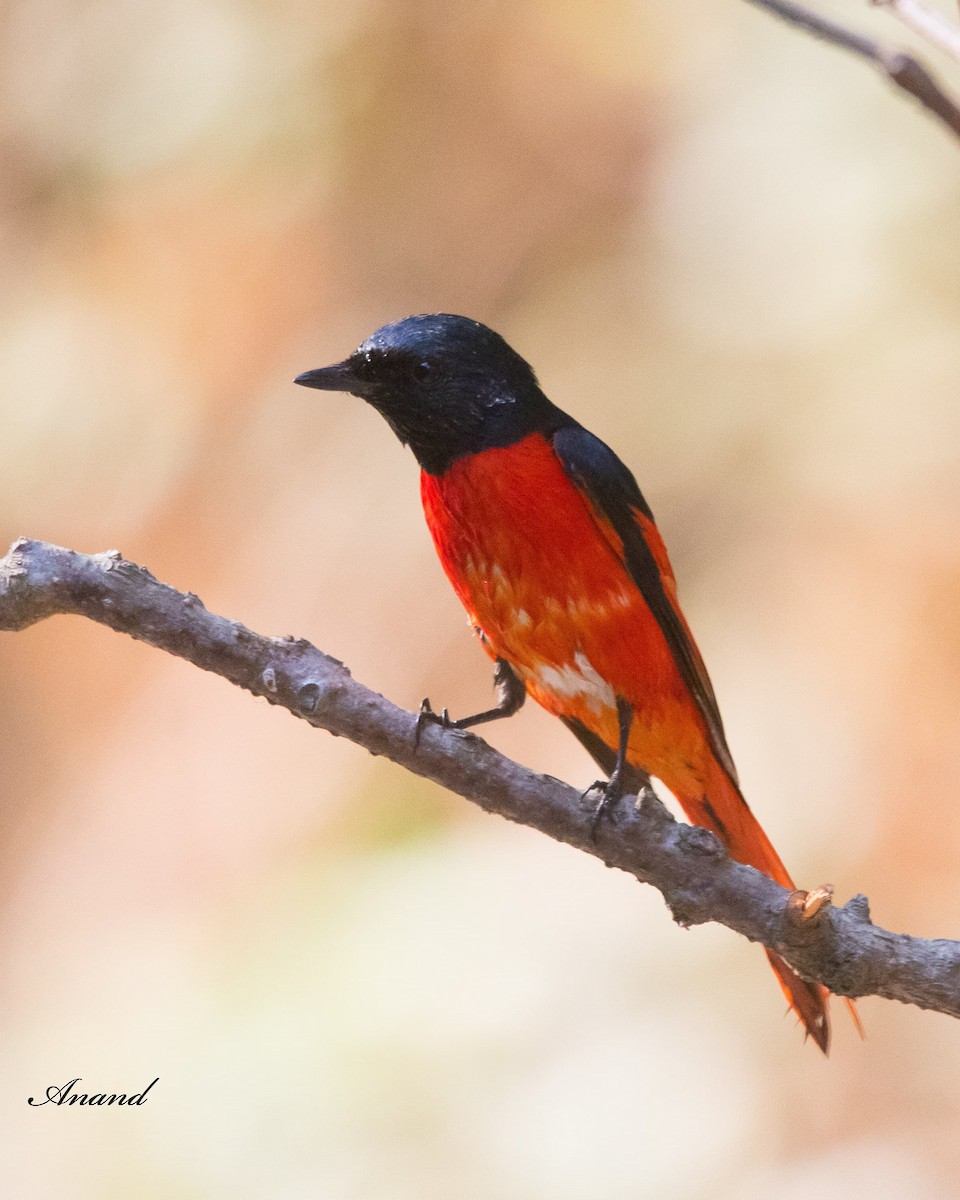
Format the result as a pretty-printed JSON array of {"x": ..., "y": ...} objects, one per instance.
[{"x": 338, "y": 378}]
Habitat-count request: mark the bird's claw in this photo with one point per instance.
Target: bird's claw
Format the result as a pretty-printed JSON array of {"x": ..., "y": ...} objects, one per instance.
[
  {"x": 426, "y": 716},
  {"x": 610, "y": 792}
]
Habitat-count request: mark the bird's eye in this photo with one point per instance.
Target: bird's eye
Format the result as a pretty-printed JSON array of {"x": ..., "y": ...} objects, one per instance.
[{"x": 424, "y": 371}]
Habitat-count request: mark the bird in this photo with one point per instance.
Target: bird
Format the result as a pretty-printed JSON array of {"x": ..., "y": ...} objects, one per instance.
[{"x": 554, "y": 553}]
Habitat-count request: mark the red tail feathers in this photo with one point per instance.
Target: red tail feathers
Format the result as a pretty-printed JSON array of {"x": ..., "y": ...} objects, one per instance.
[
  {"x": 724, "y": 811},
  {"x": 808, "y": 1000}
]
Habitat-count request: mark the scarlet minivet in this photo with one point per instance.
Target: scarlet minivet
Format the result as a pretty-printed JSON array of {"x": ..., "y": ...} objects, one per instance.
[{"x": 554, "y": 553}]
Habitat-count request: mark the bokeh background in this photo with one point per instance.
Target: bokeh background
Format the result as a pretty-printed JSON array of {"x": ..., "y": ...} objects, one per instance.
[{"x": 730, "y": 251}]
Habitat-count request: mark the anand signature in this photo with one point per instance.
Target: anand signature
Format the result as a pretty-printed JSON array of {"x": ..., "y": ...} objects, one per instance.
[{"x": 67, "y": 1093}]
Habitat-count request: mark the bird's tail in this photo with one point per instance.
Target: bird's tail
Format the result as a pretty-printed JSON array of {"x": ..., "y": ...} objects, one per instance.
[{"x": 724, "y": 811}]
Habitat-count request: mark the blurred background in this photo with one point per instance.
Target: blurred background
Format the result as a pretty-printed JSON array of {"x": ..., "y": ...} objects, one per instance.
[{"x": 732, "y": 253}]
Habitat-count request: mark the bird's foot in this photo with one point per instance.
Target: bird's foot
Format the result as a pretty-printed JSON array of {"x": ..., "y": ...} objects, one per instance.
[
  {"x": 611, "y": 790},
  {"x": 426, "y": 716}
]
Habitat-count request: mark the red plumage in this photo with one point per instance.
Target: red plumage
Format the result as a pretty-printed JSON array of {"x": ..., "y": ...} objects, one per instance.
[{"x": 540, "y": 571}]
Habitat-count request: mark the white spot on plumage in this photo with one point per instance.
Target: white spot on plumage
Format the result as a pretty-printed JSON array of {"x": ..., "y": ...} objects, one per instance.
[
  {"x": 580, "y": 610},
  {"x": 578, "y": 678}
]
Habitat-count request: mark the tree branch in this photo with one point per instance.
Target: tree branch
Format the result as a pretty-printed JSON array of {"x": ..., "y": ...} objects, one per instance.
[
  {"x": 700, "y": 883},
  {"x": 932, "y": 26},
  {"x": 902, "y": 69}
]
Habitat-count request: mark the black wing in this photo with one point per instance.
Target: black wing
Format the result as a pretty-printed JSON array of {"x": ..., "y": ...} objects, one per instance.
[{"x": 613, "y": 492}]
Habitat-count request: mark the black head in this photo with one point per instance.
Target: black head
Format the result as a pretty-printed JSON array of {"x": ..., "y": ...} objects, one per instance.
[{"x": 447, "y": 385}]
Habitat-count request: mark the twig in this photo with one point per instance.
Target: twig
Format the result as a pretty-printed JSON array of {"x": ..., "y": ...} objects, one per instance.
[
  {"x": 902, "y": 69},
  {"x": 934, "y": 27},
  {"x": 839, "y": 946}
]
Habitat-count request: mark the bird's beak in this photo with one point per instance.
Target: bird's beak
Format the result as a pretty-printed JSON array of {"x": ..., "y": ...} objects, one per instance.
[{"x": 338, "y": 378}]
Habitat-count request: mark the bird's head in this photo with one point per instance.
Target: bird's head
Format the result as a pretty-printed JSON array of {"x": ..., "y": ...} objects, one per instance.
[{"x": 448, "y": 386}]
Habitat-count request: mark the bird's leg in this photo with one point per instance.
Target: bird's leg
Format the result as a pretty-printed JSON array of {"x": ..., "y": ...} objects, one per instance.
[
  {"x": 612, "y": 789},
  {"x": 511, "y": 693}
]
